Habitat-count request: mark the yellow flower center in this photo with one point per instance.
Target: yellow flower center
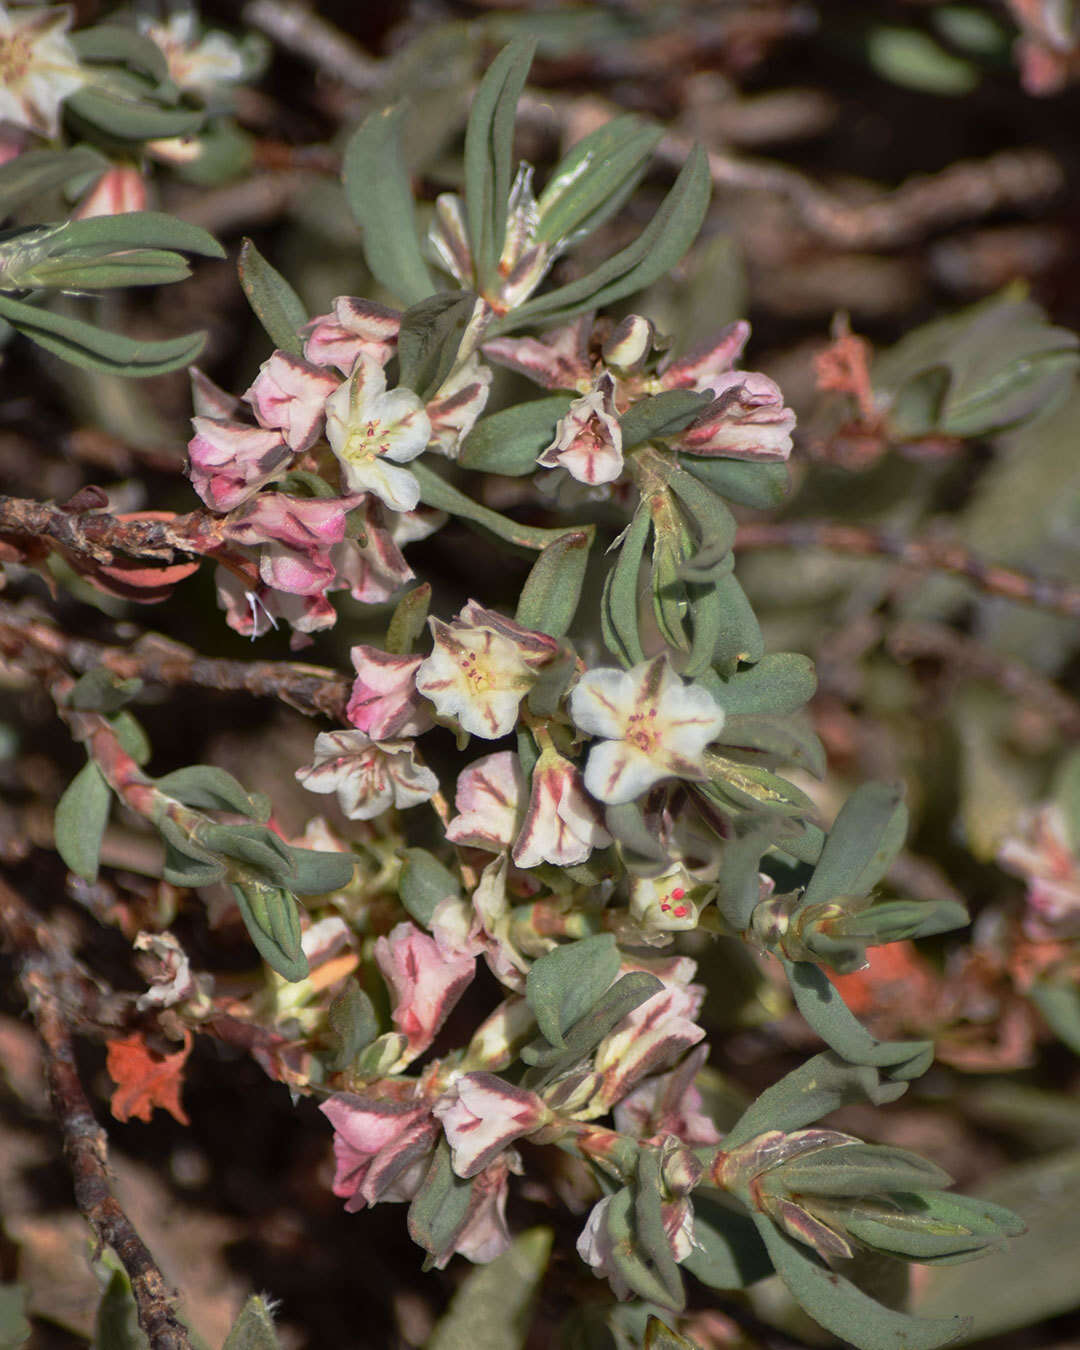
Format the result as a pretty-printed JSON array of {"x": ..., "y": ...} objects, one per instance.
[
  {"x": 641, "y": 731},
  {"x": 16, "y": 58},
  {"x": 478, "y": 677},
  {"x": 367, "y": 442}
]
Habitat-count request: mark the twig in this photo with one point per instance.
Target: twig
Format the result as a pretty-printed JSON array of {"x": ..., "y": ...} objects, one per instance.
[
  {"x": 965, "y": 191},
  {"x": 312, "y": 690},
  {"x": 300, "y": 30},
  {"x": 910, "y": 641},
  {"x": 96, "y": 537},
  {"x": 1059, "y": 597},
  {"x": 45, "y": 969}
]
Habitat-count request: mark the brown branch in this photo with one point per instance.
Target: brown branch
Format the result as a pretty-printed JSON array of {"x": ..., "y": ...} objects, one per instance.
[
  {"x": 312, "y": 690},
  {"x": 45, "y": 971},
  {"x": 1059, "y": 597},
  {"x": 912, "y": 641},
  {"x": 889, "y": 219},
  {"x": 96, "y": 537}
]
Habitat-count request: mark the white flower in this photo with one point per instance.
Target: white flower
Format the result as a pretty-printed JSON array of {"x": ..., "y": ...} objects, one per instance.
[
  {"x": 475, "y": 675},
  {"x": 588, "y": 440},
  {"x": 197, "y": 63},
  {"x": 368, "y": 426},
  {"x": 38, "y": 67},
  {"x": 653, "y": 726},
  {"x": 368, "y": 776}
]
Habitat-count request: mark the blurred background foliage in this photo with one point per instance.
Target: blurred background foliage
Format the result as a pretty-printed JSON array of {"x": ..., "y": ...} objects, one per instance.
[{"x": 897, "y": 190}]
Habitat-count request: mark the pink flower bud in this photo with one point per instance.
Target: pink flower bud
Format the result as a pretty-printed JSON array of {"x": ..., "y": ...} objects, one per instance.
[
  {"x": 487, "y": 798},
  {"x": 424, "y": 984},
  {"x": 629, "y": 345},
  {"x": 562, "y": 824},
  {"x": 382, "y": 1147},
  {"x": 558, "y": 360},
  {"x": 290, "y": 396},
  {"x": 747, "y": 421},
  {"x": 355, "y": 328},
  {"x": 229, "y": 462},
  {"x": 384, "y": 701},
  {"x": 704, "y": 367},
  {"x": 121, "y": 188},
  {"x": 481, "y": 1114},
  {"x": 651, "y": 1037}
]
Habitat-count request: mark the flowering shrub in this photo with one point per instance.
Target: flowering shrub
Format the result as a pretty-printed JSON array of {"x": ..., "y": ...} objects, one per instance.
[{"x": 486, "y": 969}]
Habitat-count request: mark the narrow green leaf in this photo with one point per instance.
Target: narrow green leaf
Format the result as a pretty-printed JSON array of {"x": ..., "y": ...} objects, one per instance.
[
  {"x": 784, "y": 739},
  {"x": 491, "y": 1309},
  {"x": 662, "y": 415},
  {"x": 121, "y": 45},
  {"x": 429, "y": 339},
  {"x": 761, "y": 486},
  {"x": 145, "y": 268},
  {"x": 353, "y": 1025},
  {"x": 131, "y": 119},
  {"x": 621, "y": 607},
  {"x": 866, "y": 837},
  {"x": 319, "y": 871},
  {"x": 36, "y": 172},
  {"x": 933, "y": 1226},
  {"x": 564, "y": 983},
  {"x": 82, "y": 344},
  {"x": 551, "y": 1062},
  {"x": 854, "y": 1170},
  {"x": 803, "y": 1096},
  {"x": 820, "y": 1003},
  {"x": 252, "y": 844},
  {"x": 269, "y": 914},
  {"x": 489, "y": 154},
  {"x": 740, "y": 640},
  {"x": 380, "y": 195},
  {"x": 509, "y": 442},
  {"x": 844, "y": 1309},
  {"x": 116, "y": 1325},
  {"x": 441, "y": 1205},
  {"x": 203, "y": 785},
  {"x": 656, "y": 250},
  {"x": 15, "y": 1330},
  {"x": 727, "y": 1253},
  {"x": 437, "y": 492},
  {"x": 423, "y": 883},
  {"x": 81, "y": 816},
  {"x": 409, "y": 620},
  {"x": 99, "y": 690},
  {"x": 595, "y": 177},
  {"x": 1059, "y": 1003},
  {"x": 254, "y": 1328},
  {"x": 276, "y": 305},
  {"x": 781, "y": 682},
  {"x": 139, "y": 230},
  {"x": 552, "y": 590}
]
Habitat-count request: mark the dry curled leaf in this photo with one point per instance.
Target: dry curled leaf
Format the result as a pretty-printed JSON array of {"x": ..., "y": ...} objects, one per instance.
[{"x": 145, "y": 1079}]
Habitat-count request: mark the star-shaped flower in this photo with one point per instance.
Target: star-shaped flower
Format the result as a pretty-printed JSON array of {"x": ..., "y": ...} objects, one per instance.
[
  {"x": 372, "y": 430},
  {"x": 476, "y": 676},
  {"x": 368, "y": 776},
  {"x": 38, "y": 67},
  {"x": 653, "y": 726}
]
